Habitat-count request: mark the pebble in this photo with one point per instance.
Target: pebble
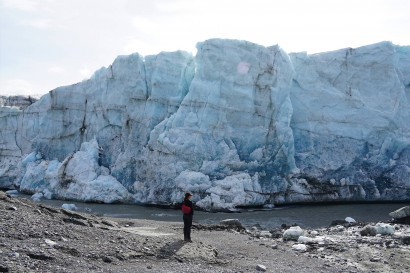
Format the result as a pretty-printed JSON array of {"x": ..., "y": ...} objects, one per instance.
[
  {"x": 12, "y": 208},
  {"x": 107, "y": 259},
  {"x": 50, "y": 242},
  {"x": 261, "y": 267}
]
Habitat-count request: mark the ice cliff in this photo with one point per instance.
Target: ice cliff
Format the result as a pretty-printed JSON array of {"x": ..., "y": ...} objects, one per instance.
[{"x": 239, "y": 124}]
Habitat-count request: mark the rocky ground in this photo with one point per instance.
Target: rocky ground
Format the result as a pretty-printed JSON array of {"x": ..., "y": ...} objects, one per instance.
[{"x": 38, "y": 238}]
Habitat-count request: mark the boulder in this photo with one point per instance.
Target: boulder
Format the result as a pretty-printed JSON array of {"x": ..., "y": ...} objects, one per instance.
[
  {"x": 379, "y": 228},
  {"x": 293, "y": 233},
  {"x": 232, "y": 223},
  {"x": 275, "y": 233},
  {"x": 384, "y": 229},
  {"x": 368, "y": 231},
  {"x": 350, "y": 220},
  {"x": 3, "y": 195},
  {"x": 37, "y": 197},
  {"x": 400, "y": 213}
]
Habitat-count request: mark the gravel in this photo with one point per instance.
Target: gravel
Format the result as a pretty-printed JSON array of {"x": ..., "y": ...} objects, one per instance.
[{"x": 39, "y": 238}]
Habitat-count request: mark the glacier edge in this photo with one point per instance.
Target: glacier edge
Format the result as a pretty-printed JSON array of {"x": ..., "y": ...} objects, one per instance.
[{"x": 239, "y": 124}]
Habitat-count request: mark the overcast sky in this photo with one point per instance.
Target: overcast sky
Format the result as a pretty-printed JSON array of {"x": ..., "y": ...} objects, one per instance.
[{"x": 49, "y": 43}]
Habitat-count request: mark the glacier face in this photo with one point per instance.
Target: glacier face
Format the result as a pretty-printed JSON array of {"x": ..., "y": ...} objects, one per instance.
[
  {"x": 239, "y": 124},
  {"x": 351, "y": 121}
]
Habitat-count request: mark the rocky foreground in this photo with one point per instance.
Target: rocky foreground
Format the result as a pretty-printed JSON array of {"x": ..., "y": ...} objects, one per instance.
[{"x": 39, "y": 238}]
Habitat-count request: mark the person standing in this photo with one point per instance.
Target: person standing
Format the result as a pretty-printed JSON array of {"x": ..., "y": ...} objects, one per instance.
[{"x": 188, "y": 215}]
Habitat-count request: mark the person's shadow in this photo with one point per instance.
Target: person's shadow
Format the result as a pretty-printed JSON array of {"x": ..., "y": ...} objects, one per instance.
[{"x": 169, "y": 250}]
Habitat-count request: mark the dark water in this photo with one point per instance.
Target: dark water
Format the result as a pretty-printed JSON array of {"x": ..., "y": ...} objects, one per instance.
[{"x": 314, "y": 216}]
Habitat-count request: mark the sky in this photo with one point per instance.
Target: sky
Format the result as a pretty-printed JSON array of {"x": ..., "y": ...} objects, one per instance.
[{"x": 49, "y": 43}]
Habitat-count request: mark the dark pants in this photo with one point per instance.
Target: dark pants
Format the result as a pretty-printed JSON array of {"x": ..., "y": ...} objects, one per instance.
[{"x": 187, "y": 226}]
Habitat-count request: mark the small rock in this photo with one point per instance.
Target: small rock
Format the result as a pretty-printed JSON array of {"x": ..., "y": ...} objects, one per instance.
[
  {"x": 314, "y": 233},
  {"x": 299, "y": 247},
  {"x": 375, "y": 259},
  {"x": 50, "y": 242},
  {"x": 339, "y": 228},
  {"x": 107, "y": 259},
  {"x": 274, "y": 246},
  {"x": 266, "y": 234},
  {"x": 149, "y": 267},
  {"x": 12, "y": 208},
  {"x": 63, "y": 239},
  {"x": 261, "y": 267}
]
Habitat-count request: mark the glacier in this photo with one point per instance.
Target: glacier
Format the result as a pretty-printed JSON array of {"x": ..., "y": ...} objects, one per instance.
[{"x": 238, "y": 124}]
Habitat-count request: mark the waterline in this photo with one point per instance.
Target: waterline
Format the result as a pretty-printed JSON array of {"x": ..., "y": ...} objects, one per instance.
[{"x": 306, "y": 216}]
